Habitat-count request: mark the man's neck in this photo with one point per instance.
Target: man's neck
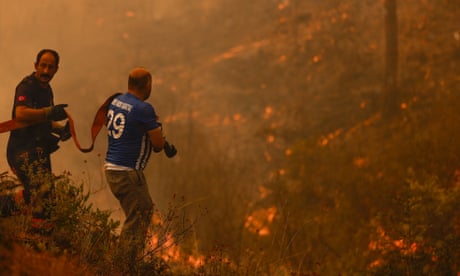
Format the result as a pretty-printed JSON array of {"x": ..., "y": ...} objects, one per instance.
[{"x": 137, "y": 94}]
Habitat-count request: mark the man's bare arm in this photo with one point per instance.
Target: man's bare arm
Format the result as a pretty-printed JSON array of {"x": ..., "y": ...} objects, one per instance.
[{"x": 156, "y": 138}]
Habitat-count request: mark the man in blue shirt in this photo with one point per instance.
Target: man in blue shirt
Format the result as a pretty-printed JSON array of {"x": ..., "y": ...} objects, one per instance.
[{"x": 133, "y": 132}]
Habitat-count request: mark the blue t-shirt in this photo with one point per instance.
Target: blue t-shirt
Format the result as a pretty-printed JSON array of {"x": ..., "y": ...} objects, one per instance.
[{"x": 128, "y": 120}]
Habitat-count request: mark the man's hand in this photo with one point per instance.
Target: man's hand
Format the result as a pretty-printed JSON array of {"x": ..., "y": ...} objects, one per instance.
[
  {"x": 170, "y": 150},
  {"x": 56, "y": 112}
]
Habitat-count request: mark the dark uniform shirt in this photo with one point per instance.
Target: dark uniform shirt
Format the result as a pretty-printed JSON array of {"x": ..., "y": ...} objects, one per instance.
[{"x": 30, "y": 93}]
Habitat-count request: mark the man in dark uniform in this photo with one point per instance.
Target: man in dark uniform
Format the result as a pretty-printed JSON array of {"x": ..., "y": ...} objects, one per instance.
[{"x": 29, "y": 148}]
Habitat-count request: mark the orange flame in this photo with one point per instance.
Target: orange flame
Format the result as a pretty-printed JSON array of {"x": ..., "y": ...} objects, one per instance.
[
  {"x": 258, "y": 222},
  {"x": 268, "y": 112},
  {"x": 385, "y": 243}
]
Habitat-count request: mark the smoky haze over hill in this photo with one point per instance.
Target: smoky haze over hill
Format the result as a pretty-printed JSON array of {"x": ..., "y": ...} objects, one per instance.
[{"x": 292, "y": 151}]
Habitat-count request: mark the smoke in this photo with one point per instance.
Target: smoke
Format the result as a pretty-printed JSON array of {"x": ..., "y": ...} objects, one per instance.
[
  {"x": 98, "y": 45},
  {"x": 178, "y": 40}
]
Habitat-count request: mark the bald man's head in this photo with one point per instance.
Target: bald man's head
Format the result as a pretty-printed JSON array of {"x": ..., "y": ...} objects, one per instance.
[
  {"x": 140, "y": 81},
  {"x": 138, "y": 78}
]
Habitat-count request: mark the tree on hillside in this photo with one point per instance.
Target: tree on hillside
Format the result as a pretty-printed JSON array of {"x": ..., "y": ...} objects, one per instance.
[{"x": 391, "y": 58}]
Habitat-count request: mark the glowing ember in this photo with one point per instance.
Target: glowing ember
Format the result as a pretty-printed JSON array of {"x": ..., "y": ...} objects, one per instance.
[
  {"x": 283, "y": 5},
  {"x": 384, "y": 243},
  {"x": 196, "y": 261},
  {"x": 264, "y": 192},
  {"x": 268, "y": 112},
  {"x": 259, "y": 221},
  {"x": 130, "y": 14},
  {"x": 317, "y": 59},
  {"x": 237, "y": 117},
  {"x": 360, "y": 162}
]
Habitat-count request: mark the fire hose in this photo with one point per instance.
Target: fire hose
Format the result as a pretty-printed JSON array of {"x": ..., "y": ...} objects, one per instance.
[{"x": 98, "y": 122}]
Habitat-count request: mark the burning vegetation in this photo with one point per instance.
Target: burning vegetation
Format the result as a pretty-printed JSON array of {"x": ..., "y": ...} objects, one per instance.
[{"x": 296, "y": 157}]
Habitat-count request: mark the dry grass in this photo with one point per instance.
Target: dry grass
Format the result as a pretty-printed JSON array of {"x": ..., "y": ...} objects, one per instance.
[{"x": 20, "y": 260}]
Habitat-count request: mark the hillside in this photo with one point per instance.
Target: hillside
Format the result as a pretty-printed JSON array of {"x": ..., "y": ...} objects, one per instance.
[{"x": 288, "y": 161}]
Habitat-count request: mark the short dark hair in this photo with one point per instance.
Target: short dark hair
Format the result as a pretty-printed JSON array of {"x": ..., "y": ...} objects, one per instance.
[
  {"x": 139, "y": 82},
  {"x": 51, "y": 51}
]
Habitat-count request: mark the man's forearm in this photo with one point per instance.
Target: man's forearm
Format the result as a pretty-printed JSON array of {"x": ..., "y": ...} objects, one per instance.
[{"x": 28, "y": 114}]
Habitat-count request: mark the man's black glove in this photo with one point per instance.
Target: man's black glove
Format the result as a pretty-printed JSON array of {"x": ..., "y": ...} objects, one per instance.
[
  {"x": 170, "y": 150},
  {"x": 56, "y": 112},
  {"x": 63, "y": 132}
]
